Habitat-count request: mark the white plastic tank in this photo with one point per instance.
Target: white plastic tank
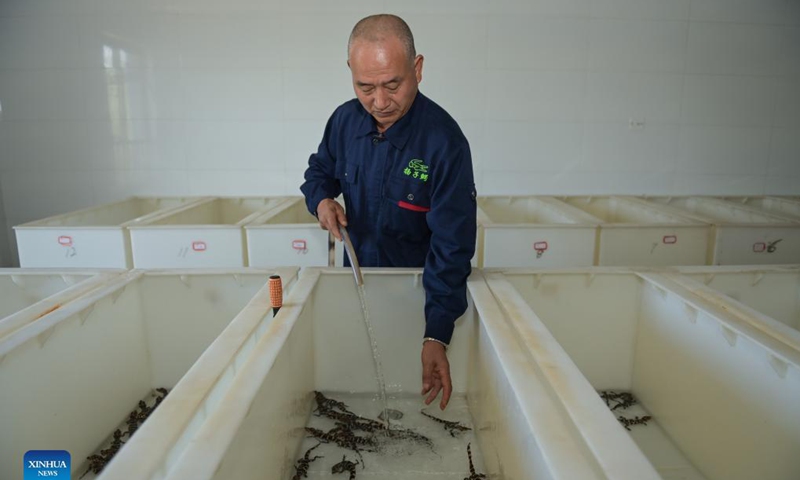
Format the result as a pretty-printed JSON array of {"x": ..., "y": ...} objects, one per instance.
[
  {"x": 721, "y": 395},
  {"x": 70, "y": 378},
  {"x": 764, "y": 294},
  {"x": 289, "y": 235},
  {"x": 28, "y": 294},
  {"x": 318, "y": 342},
  {"x": 641, "y": 234},
  {"x": 208, "y": 234},
  {"x": 95, "y": 237},
  {"x": 534, "y": 232},
  {"x": 742, "y": 235},
  {"x": 785, "y": 207}
]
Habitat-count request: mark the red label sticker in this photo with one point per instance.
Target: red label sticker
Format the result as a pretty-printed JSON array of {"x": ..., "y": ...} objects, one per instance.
[
  {"x": 670, "y": 239},
  {"x": 759, "y": 247},
  {"x": 199, "y": 246},
  {"x": 299, "y": 245},
  {"x": 65, "y": 240},
  {"x": 540, "y": 246}
]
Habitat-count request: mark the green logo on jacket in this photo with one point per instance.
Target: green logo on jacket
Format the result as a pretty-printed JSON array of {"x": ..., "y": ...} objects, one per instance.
[{"x": 417, "y": 169}]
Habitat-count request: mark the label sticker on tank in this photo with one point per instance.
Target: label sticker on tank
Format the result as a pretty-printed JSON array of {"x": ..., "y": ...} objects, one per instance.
[
  {"x": 199, "y": 246},
  {"x": 300, "y": 246},
  {"x": 65, "y": 240},
  {"x": 670, "y": 239}
]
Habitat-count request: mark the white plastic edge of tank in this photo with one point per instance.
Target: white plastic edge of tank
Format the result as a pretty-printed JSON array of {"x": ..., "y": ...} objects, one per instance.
[
  {"x": 166, "y": 433},
  {"x": 40, "y": 224},
  {"x": 163, "y": 211},
  {"x": 19, "y": 319},
  {"x": 790, "y": 216},
  {"x": 773, "y": 219},
  {"x": 709, "y": 270},
  {"x": 38, "y": 330},
  {"x": 202, "y": 456},
  {"x": 253, "y": 216},
  {"x": 207, "y": 449},
  {"x": 174, "y": 211},
  {"x": 148, "y": 224},
  {"x": 581, "y": 218},
  {"x": 538, "y": 409},
  {"x": 775, "y": 344},
  {"x": 769, "y": 326},
  {"x": 780, "y": 355},
  {"x": 614, "y": 450},
  {"x": 681, "y": 219},
  {"x": 675, "y": 213},
  {"x": 748, "y": 208},
  {"x": 260, "y": 221},
  {"x": 777, "y": 205},
  {"x": 793, "y": 201},
  {"x": 580, "y": 215}
]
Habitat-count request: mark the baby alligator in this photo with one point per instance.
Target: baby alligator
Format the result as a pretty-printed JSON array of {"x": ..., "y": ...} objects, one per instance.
[
  {"x": 342, "y": 436},
  {"x": 324, "y": 403},
  {"x": 452, "y": 427},
  {"x": 629, "y": 422},
  {"x": 301, "y": 468},
  {"x": 472, "y": 474},
  {"x": 345, "y": 466}
]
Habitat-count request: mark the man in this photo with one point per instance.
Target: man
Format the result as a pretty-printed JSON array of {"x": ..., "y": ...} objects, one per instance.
[{"x": 405, "y": 170}]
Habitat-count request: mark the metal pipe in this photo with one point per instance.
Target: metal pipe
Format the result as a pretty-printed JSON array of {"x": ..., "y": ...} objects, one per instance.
[{"x": 351, "y": 254}]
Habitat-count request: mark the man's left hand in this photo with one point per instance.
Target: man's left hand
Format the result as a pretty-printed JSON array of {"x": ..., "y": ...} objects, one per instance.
[{"x": 435, "y": 373}]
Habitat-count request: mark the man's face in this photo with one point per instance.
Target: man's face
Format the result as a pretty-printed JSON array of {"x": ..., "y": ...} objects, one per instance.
[{"x": 384, "y": 79}]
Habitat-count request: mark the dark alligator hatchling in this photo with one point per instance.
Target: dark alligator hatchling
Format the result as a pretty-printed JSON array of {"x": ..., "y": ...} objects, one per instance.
[
  {"x": 345, "y": 466},
  {"x": 451, "y": 427},
  {"x": 472, "y": 474},
  {"x": 301, "y": 467}
]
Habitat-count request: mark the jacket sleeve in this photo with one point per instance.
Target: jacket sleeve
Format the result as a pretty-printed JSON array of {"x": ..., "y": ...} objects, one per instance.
[
  {"x": 320, "y": 181},
  {"x": 453, "y": 225}
]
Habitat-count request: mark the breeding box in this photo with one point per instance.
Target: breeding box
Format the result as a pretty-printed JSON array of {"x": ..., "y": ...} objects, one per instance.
[
  {"x": 534, "y": 231},
  {"x": 207, "y": 234},
  {"x": 29, "y": 294},
  {"x": 72, "y": 377},
  {"x": 289, "y": 235},
  {"x": 716, "y": 398},
  {"x": 742, "y": 234},
  {"x": 637, "y": 233},
  {"x": 95, "y": 237},
  {"x": 784, "y": 207},
  {"x": 254, "y": 428},
  {"x": 768, "y": 296}
]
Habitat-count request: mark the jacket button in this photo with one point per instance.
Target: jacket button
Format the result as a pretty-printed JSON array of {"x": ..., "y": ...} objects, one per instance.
[{"x": 410, "y": 196}]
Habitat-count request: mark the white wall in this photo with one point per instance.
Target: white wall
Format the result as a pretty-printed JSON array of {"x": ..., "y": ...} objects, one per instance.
[
  {"x": 5, "y": 252},
  {"x": 103, "y": 99}
]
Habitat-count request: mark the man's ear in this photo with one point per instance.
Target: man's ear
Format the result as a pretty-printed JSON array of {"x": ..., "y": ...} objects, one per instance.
[{"x": 418, "y": 67}]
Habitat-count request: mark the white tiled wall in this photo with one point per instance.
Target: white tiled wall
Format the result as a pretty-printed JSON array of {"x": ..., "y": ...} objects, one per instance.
[{"x": 102, "y": 99}]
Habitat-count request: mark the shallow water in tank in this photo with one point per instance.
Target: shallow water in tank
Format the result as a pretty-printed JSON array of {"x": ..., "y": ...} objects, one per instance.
[
  {"x": 446, "y": 459},
  {"x": 669, "y": 461}
]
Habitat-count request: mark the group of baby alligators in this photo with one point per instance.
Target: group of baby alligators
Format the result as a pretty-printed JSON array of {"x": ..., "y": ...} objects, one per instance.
[{"x": 343, "y": 435}]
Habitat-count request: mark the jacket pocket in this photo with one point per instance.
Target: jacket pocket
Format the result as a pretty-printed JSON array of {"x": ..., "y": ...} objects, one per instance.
[{"x": 407, "y": 203}]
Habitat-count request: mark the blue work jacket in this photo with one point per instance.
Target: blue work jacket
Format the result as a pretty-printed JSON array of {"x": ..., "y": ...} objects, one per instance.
[{"x": 409, "y": 197}]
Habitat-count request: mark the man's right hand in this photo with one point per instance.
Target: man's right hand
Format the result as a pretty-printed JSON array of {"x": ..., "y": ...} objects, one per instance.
[{"x": 330, "y": 215}]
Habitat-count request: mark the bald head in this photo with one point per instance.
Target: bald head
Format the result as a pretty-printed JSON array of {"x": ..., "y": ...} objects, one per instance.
[{"x": 377, "y": 29}]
